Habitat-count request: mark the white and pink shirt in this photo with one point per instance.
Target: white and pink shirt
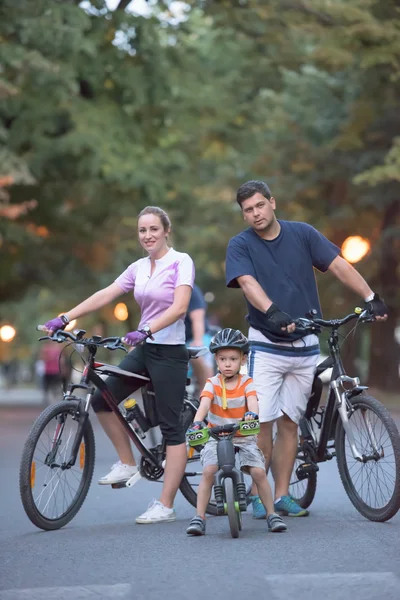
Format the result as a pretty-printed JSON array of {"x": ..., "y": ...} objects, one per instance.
[{"x": 155, "y": 293}]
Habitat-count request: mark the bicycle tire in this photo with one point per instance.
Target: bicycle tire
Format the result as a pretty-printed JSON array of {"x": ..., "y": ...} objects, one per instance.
[
  {"x": 188, "y": 492},
  {"x": 233, "y": 515},
  {"x": 68, "y": 407},
  {"x": 387, "y": 511},
  {"x": 311, "y": 486}
]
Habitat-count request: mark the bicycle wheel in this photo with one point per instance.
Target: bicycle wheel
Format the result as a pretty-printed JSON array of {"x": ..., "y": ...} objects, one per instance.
[
  {"x": 233, "y": 513},
  {"x": 373, "y": 485},
  {"x": 51, "y": 494},
  {"x": 302, "y": 490}
]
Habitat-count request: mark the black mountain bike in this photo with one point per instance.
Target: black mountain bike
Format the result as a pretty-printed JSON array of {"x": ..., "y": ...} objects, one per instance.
[
  {"x": 58, "y": 458},
  {"x": 354, "y": 427}
]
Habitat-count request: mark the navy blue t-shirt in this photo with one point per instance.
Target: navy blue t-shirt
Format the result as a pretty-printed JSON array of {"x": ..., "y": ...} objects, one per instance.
[
  {"x": 196, "y": 301},
  {"x": 284, "y": 269}
]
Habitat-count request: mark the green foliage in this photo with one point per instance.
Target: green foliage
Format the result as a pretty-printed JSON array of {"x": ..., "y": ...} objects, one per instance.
[{"x": 102, "y": 113}]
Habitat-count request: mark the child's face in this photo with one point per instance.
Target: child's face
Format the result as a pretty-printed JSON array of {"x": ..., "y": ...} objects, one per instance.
[{"x": 229, "y": 361}]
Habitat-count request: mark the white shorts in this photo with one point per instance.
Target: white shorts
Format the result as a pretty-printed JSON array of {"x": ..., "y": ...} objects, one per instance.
[{"x": 283, "y": 375}]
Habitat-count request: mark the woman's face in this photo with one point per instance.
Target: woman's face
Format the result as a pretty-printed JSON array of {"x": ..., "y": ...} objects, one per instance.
[{"x": 152, "y": 236}]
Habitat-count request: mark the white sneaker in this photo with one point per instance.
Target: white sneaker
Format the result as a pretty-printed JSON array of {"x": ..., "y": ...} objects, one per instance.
[
  {"x": 157, "y": 513},
  {"x": 118, "y": 474}
]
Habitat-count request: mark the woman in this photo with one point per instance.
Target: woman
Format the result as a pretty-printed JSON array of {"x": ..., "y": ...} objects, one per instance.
[{"x": 162, "y": 284}]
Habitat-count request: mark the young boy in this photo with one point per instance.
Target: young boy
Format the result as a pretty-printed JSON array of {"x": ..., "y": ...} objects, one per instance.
[{"x": 229, "y": 398}]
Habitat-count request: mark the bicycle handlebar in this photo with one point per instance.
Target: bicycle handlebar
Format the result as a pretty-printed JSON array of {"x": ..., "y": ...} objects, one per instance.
[
  {"x": 313, "y": 324},
  {"x": 229, "y": 428},
  {"x": 60, "y": 336}
]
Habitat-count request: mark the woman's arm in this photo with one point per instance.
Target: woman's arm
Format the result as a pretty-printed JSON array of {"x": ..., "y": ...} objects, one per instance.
[
  {"x": 176, "y": 311},
  {"x": 98, "y": 300}
]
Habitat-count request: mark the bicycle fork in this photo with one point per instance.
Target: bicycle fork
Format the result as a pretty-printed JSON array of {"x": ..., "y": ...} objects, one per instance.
[{"x": 341, "y": 399}]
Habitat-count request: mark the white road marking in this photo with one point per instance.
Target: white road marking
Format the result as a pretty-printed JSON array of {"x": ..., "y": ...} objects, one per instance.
[
  {"x": 119, "y": 591},
  {"x": 334, "y": 586}
]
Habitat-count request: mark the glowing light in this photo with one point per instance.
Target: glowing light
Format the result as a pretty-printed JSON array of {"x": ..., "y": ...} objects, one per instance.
[
  {"x": 121, "y": 311},
  {"x": 355, "y": 247},
  {"x": 70, "y": 325},
  {"x": 7, "y": 333}
]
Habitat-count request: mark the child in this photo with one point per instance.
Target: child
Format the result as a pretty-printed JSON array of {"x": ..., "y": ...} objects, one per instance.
[{"x": 229, "y": 398}]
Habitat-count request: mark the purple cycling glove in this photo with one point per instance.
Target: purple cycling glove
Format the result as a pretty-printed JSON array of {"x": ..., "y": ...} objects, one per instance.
[
  {"x": 54, "y": 324},
  {"x": 136, "y": 337}
]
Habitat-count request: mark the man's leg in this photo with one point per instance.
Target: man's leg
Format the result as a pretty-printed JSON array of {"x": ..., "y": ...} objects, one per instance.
[
  {"x": 284, "y": 455},
  {"x": 294, "y": 396},
  {"x": 267, "y": 372}
]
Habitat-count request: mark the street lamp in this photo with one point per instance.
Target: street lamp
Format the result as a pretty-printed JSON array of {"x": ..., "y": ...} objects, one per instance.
[
  {"x": 7, "y": 333},
  {"x": 121, "y": 312},
  {"x": 355, "y": 247}
]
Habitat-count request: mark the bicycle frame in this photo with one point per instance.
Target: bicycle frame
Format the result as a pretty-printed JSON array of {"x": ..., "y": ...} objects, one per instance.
[
  {"x": 337, "y": 398},
  {"x": 90, "y": 376}
]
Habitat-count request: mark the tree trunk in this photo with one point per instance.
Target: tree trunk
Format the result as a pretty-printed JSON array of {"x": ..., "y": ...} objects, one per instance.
[{"x": 385, "y": 351}]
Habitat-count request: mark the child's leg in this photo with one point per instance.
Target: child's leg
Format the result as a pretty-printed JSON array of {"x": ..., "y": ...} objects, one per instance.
[
  {"x": 205, "y": 487},
  {"x": 259, "y": 477}
]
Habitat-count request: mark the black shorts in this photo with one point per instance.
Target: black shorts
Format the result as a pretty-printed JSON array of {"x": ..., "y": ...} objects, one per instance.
[{"x": 167, "y": 368}]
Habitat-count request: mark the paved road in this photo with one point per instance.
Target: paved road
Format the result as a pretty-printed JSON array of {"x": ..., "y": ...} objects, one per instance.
[{"x": 334, "y": 554}]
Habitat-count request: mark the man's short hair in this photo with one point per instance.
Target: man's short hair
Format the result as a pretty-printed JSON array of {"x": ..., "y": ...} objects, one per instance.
[{"x": 248, "y": 189}]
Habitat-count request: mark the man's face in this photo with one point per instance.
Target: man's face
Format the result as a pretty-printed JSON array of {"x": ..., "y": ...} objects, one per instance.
[{"x": 258, "y": 211}]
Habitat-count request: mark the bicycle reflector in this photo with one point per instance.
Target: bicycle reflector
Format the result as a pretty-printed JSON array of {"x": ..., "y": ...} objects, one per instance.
[
  {"x": 201, "y": 436},
  {"x": 250, "y": 427}
]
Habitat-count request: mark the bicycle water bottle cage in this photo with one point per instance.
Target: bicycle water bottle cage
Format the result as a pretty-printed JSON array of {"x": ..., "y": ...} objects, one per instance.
[
  {"x": 201, "y": 436},
  {"x": 250, "y": 427}
]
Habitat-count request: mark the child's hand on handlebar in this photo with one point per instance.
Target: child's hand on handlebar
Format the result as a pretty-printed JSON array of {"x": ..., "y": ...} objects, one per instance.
[
  {"x": 250, "y": 416},
  {"x": 196, "y": 425}
]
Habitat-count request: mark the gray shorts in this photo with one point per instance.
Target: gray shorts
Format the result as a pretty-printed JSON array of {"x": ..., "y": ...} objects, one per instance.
[{"x": 249, "y": 454}]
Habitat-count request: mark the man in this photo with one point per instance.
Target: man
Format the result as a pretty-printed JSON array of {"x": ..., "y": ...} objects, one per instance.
[
  {"x": 196, "y": 326},
  {"x": 273, "y": 263}
]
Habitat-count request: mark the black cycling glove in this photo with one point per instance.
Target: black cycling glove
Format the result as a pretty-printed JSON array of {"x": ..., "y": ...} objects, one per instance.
[
  {"x": 376, "y": 306},
  {"x": 277, "y": 317}
]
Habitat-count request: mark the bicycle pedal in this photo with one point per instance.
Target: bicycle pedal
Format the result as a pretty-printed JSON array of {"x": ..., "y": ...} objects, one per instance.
[
  {"x": 117, "y": 486},
  {"x": 303, "y": 471}
]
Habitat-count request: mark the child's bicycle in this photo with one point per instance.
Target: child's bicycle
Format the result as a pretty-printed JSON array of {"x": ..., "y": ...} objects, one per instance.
[
  {"x": 354, "y": 427},
  {"x": 229, "y": 487},
  {"x": 58, "y": 458}
]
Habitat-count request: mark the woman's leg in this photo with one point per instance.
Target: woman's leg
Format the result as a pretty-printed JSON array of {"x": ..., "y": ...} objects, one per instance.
[
  {"x": 120, "y": 389},
  {"x": 167, "y": 366}
]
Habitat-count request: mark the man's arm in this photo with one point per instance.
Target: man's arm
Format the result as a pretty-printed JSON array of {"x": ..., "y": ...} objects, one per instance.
[
  {"x": 258, "y": 298},
  {"x": 352, "y": 279}
]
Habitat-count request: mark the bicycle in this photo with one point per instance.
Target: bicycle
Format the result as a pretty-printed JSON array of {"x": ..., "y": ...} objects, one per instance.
[
  {"x": 229, "y": 487},
  {"x": 58, "y": 458},
  {"x": 331, "y": 431}
]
